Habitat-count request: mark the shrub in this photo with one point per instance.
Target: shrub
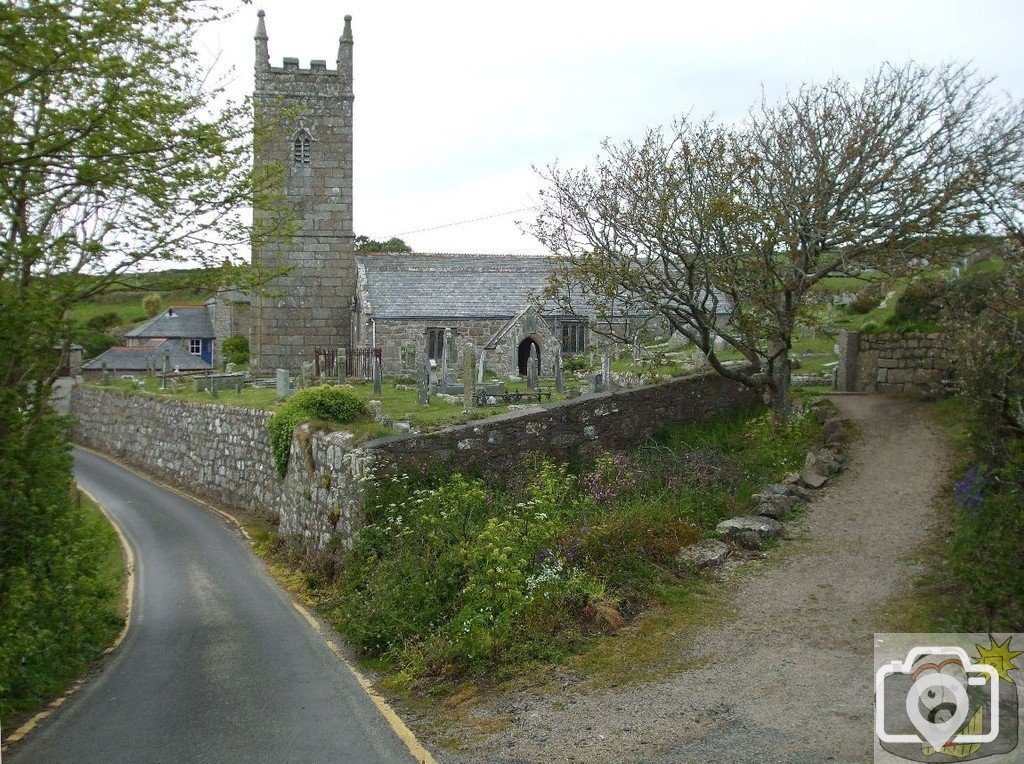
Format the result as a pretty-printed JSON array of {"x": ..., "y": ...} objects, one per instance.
[
  {"x": 922, "y": 300},
  {"x": 54, "y": 614},
  {"x": 103, "y": 321},
  {"x": 455, "y": 575},
  {"x": 151, "y": 303},
  {"x": 868, "y": 298},
  {"x": 236, "y": 350},
  {"x": 575, "y": 363},
  {"x": 334, "y": 405}
]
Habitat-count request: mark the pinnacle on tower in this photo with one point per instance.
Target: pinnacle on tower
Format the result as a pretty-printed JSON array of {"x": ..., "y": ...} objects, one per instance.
[
  {"x": 345, "y": 56},
  {"x": 345, "y": 44},
  {"x": 262, "y": 53}
]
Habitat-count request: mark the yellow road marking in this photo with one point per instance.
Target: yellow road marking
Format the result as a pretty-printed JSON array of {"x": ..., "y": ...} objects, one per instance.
[
  {"x": 418, "y": 751},
  {"x": 404, "y": 734},
  {"x": 129, "y": 563}
]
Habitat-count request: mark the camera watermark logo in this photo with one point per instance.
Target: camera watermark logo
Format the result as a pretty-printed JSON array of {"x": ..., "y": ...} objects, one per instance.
[{"x": 948, "y": 699}]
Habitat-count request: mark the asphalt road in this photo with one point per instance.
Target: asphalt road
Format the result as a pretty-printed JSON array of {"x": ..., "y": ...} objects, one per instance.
[{"x": 217, "y": 666}]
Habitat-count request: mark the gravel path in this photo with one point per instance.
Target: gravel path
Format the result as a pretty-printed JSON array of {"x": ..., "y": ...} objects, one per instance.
[{"x": 790, "y": 679}]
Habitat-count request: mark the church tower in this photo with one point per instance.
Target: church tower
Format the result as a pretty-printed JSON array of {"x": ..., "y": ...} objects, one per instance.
[{"x": 303, "y": 138}]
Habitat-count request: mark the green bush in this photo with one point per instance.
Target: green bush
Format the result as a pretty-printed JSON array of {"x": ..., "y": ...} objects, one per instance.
[
  {"x": 54, "y": 606},
  {"x": 151, "y": 303},
  {"x": 575, "y": 363},
  {"x": 922, "y": 300},
  {"x": 455, "y": 575},
  {"x": 236, "y": 350},
  {"x": 868, "y": 298},
  {"x": 333, "y": 405},
  {"x": 103, "y": 321}
]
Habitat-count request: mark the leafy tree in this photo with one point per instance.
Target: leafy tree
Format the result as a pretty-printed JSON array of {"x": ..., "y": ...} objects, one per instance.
[
  {"x": 151, "y": 304},
  {"x": 723, "y": 231},
  {"x": 114, "y": 154},
  {"x": 236, "y": 349},
  {"x": 394, "y": 244}
]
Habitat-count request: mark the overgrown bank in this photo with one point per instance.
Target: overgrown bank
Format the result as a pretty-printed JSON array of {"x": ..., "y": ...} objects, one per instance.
[
  {"x": 460, "y": 575},
  {"x": 975, "y": 576},
  {"x": 58, "y": 613}
]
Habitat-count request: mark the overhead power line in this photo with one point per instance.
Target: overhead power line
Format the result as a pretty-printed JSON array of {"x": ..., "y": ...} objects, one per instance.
[{"x": 464, "y": 222}]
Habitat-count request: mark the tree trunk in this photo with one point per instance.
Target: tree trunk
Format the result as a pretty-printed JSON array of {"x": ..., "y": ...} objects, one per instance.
[{"x": 777, "y": 392}]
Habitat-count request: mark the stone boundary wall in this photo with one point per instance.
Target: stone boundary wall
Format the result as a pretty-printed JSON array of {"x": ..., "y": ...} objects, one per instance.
[
  {"x": 583, "y": 426},
  {"x": 216, "y": 451},
  {"x": 904, "y": 364},
  {"x": 222, "y": 453}
]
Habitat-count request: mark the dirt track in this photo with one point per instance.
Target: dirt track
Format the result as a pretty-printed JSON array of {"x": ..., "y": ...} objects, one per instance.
[{"x": 789, "y": 679}]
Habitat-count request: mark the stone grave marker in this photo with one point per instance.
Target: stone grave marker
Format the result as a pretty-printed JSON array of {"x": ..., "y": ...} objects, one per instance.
[
  {"x": 423, "y": 381},
  {"x": 283, "y": 386},
  {"x": 468, "y": 376}
]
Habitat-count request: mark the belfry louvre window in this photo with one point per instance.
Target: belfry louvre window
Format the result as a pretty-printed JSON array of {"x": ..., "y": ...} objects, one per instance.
[
  {"x": 301, "y": 148},
  {"x": 574, "y": 338}
]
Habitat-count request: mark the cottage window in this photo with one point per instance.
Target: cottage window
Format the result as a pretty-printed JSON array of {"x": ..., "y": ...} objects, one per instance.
[
  {"x": 301, "y": 145},
  {"x": 195, "y": 347},
  {"x": 574, "y": 338}
]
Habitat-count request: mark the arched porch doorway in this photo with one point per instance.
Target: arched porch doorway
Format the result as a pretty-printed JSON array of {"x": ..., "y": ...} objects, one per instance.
[{"x": 524, "y": 355}]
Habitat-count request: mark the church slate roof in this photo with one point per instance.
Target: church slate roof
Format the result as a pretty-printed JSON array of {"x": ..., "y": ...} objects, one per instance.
[
  {"x": 187, "y": 321},
  {"x": 399, "y": 286}
]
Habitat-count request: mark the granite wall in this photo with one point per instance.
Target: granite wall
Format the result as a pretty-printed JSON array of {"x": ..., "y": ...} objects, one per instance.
[
  {"x": 904, "y": 364},
  {"x": 222, "y": 453}
]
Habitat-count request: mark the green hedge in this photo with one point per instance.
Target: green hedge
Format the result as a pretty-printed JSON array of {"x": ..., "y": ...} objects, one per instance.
[{"x": 335, "y": 405}]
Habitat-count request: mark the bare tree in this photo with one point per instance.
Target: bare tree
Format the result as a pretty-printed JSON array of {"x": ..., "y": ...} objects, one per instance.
[{"x": 708, "y": 221}]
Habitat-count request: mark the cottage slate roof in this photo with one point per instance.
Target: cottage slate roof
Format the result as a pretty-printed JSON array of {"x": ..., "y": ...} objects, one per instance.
[
  {"x": 408, "y": 285},
  {"x": 186, "y": 321},
  {"x": 146, "y": 357}
]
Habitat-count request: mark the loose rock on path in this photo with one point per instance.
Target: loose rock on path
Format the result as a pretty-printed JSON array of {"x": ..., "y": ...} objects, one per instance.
[{"x": 790, "y": 679}]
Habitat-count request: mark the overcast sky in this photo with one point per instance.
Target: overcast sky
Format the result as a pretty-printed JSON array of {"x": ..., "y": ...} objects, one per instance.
[{"x": 456, "y": 102}]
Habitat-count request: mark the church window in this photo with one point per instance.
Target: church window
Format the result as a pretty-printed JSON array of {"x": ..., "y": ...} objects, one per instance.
[
  {"x": 301, "y": 144},
  {"x": 574, "y": 338},
  {"x": 435, "y": 344}
]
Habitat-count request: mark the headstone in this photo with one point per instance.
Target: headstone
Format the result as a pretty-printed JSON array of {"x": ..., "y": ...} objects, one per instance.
[
  {"x": 481, "y": 366},
  {"x": 307, "y": 374},
  {"x": 606, "y": 370},
  {"x": 468, "y": 376},
  {"x": 532, "y": 369},
  {"x": 423, "y": 382},
  {"x": 636, "y": 348},
  {"x": 166, "y": 368},
  {"x": 594, "y": 383},
  {"x": 106, "y": 375},
  {"x": 409, "y": 360},
  {"x": 445, "y": 344},
  {"x": 559, "y": 377},
  {"x": 283, "y": 388},
  {"x": 342, "y": 363},
  {"x": 376, "y": 376}
]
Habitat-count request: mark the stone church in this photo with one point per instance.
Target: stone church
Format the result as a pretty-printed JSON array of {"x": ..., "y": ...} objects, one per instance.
[{"x": 409, "y": 305}]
